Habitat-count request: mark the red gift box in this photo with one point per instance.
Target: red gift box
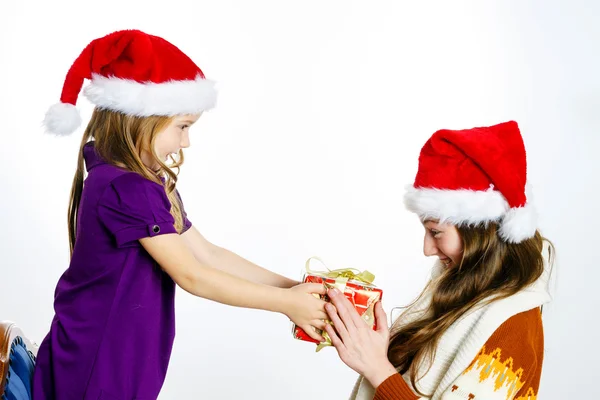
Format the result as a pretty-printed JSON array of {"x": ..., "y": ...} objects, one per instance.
[{"x": 357, "y": 287}]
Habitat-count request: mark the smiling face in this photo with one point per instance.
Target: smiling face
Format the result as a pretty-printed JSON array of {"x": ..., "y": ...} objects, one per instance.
[
  {"x": 443, "y": 241},
  {"x": 174, "y": 137}
]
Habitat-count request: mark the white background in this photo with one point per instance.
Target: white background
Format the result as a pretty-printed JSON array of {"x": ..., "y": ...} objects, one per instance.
[{"x": 323, "y": 108}]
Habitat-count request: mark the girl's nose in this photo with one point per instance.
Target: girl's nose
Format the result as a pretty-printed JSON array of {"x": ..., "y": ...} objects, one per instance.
[{"x": 429, "y": 246}]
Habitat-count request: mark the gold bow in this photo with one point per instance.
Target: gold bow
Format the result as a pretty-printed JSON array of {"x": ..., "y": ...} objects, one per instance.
[{"x": 349, "y": 274}]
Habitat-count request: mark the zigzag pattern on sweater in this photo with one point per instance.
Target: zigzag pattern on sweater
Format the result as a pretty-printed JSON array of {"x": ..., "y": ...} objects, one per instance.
[{"x": 499, "y": 375}]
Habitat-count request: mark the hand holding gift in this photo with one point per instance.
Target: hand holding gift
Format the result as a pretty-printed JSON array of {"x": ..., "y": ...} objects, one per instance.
[
  {"x": 306, "y": 311},
  {"x": 356, "y": 286},
  {"x": 358, "y": 345}
]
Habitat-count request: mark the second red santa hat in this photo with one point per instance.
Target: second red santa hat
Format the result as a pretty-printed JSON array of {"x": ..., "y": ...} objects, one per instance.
[{"x": 474, "y": 176}]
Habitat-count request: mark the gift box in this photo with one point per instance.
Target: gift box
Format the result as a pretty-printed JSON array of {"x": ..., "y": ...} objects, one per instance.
[{"x": 357, "y": 286}]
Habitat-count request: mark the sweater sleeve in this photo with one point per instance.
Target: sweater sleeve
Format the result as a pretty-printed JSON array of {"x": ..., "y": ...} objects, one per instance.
[
  {"x": 508, "y": 366},
  {"x": 394, "y": 388}
]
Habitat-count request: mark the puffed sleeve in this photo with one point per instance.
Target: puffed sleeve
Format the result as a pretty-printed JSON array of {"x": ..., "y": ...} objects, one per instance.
[{"x": 133, "y": 207}]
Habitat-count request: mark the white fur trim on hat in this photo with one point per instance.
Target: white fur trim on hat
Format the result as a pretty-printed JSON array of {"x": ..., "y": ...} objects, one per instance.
[
  {"x": 456, "y": 206},
  {"x": 149, "y": 98},
  {"x": 473, "y": 207},
  {"x": 518, "y": 224},
  {"x": 62, "y": 119}
]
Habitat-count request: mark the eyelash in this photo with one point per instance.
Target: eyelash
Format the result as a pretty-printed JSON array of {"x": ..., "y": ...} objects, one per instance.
[
  {"x": 434, "y": 232},
  {"x": 184, "y": 126}
]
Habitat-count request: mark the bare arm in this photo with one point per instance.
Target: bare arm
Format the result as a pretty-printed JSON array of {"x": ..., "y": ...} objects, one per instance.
[
  {"x": 171, "y": 252},
  {"x": 227, "y": 261}
]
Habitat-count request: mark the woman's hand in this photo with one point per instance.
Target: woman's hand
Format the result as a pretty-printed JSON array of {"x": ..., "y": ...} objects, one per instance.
[
  {"x": 358, "y": 345},
  {"x": 306, "y": 310}
]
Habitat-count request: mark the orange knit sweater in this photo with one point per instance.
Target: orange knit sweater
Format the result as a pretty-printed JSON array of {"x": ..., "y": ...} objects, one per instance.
[{"x": 515, "y": 352}]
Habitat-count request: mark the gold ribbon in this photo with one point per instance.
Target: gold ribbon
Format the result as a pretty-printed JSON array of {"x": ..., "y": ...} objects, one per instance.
[
  {"x": 349, "y": 274},
  {"x": 341, "y": 277}
]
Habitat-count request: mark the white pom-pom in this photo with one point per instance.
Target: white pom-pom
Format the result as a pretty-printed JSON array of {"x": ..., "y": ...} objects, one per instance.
[
  {"x": 519, "y": 224},
  {"x": 62, "y": 119}
]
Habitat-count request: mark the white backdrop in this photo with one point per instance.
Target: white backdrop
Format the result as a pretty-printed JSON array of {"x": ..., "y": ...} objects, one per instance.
[{"x": 323, "y": 108}]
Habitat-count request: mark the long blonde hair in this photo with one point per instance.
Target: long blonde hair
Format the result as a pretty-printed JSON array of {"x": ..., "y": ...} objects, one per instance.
[
  {"x": 491, "y": 269},
  {"x": 119, "y": 140}
]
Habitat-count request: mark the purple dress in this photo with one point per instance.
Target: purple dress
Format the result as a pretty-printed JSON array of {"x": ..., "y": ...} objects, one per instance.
[{"x": 114, "y": 324}]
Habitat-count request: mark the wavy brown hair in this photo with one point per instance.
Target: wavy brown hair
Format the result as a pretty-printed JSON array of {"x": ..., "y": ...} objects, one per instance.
[
  {"x": 491, "y": 269},
  {"x": 120, "y": 139}
]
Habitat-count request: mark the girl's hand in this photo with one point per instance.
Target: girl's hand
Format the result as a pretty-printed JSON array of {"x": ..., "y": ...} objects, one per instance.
[
  {"x": 306, "y": 310},
  {"x": 360, "y": 347}
]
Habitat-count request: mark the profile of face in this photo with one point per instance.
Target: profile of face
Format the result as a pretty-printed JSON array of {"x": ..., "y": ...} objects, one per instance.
[
  {"x": 174, "y": 137},
  {"x": 443, "y": 241}
]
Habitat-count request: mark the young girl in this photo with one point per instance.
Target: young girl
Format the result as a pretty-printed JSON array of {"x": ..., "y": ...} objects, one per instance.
[
  {"x": 131, "y": 241},
  {"x": 476, "y": 330}
]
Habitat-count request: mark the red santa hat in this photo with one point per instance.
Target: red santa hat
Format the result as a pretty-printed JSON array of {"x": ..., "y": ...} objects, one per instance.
[
  {"x": 133, "y": 73},
  {"x": 474, "y": 176}
]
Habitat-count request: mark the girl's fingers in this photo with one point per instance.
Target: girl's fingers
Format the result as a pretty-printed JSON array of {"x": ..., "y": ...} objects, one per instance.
[
  {"x": 314, "y": 288},
  {"x": 381, "y": 320},
  {"x": 335, "y": 339},
  {"x": 318, "y": 323},
  {"x": 338, "y": 323},
  {"x": 310, "y": 331},
  {"x": 345, "y": 310},
  {"x": 321, "y": 315}
]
